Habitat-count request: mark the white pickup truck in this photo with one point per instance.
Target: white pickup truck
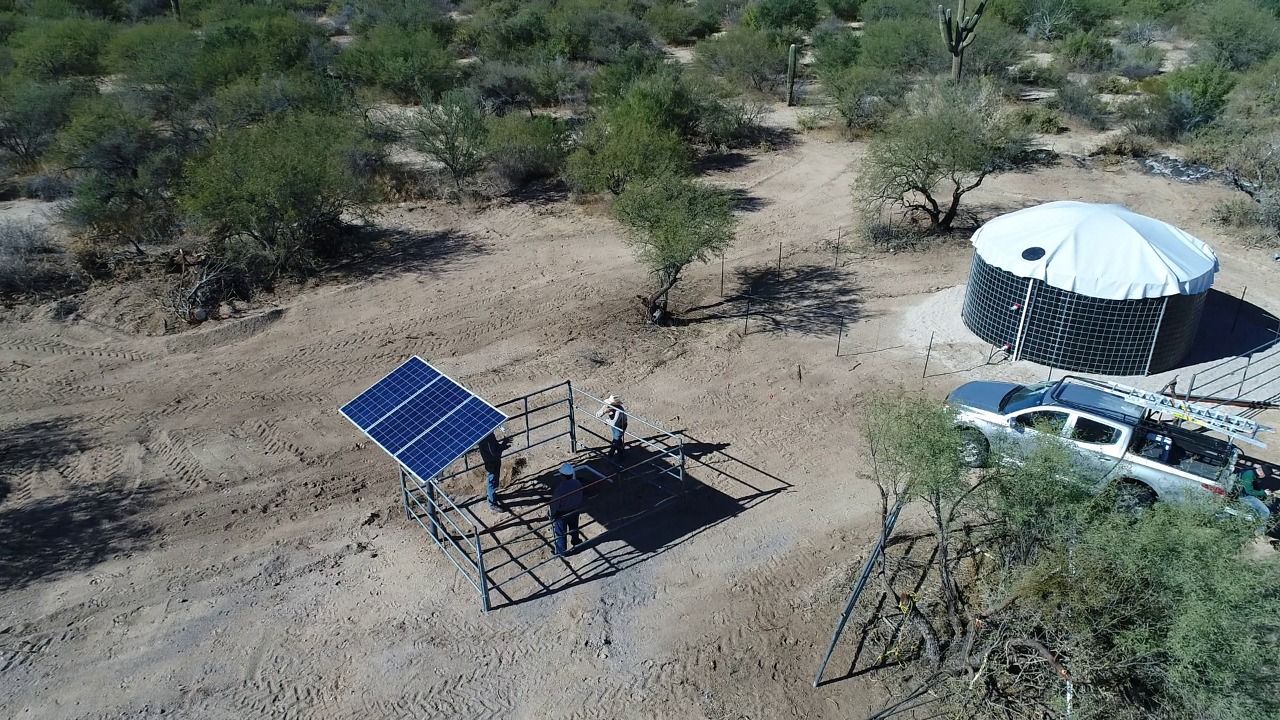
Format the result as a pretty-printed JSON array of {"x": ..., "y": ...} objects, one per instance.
[{"x": 1120, "y": 438}]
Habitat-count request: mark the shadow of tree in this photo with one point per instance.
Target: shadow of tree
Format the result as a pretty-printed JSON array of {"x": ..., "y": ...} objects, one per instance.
[
  {"x": 808, "y": 299},
  {"x": 52, "y": 536},
  {"x": 36, "y": 446},
  {"x": 744, "y": 201},
  {"x": 385, "y": 252}
]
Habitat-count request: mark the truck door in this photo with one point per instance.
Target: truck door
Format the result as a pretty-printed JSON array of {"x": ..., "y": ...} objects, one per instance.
[
  {"x": 1025, "y": 427},
  {"x": 1097, "y": 443}
]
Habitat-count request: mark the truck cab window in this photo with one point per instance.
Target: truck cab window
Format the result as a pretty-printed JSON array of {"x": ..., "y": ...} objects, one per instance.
[
  {"x": 1044, "y": 420},
  {"x": 1094, "y": 432}
]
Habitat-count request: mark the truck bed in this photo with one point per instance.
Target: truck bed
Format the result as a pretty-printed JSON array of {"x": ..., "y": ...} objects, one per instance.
[{"x": 1187, "y": 450}]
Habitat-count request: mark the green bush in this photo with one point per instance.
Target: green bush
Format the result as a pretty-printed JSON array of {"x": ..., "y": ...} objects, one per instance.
[
  {"x": 1255, "y": 100},
  {"x": 1205, "y": 86},
  {"x": 453, "y": 133},
  {"x": 1082, "y": 104},
  {"x": 865, "y": 96},
  {"x": 1236, "y": 34},
  {"x": 835, "y": 48},
  {"x": 678, "y": 23},
  {"x": 31, "y": 113},
  {"x": 1085, "y": 51},
  {"x": 908, "y": 45},
  {"x": 10, "y": 23},
  {"x": 503, "y": 86},
  {"x": 613, "y": 79},
  {"x": 778, "y": 14},
  {"x": 432, "y": 16},
  {"x": 252, "y": 100},
  {"x": 876, "y": 10},
  {"x": 844, "y": 9},
  {"x": 1036, "y": 75},
  {"x": 996, "y": 50},
  {"x": 527, "y": 148},
  {"x": 617, "y": 149},
  {"x": 1138, "y": 62},
  {"x": 254, "y": 41},
  {"x": 406, "y": 63},
  {"x": 745, "y": 56},
  {"x": 1038, "y": 119},
  {"x": 283, "y": 187},
  {"x": 158, "y": 56},
  {"x": 57, "y": 49}
]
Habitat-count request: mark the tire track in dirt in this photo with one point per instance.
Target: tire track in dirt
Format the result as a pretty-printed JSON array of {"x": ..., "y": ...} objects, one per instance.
[
  {"x": 175, "y": 454},
  {"x": 49, "y": 347}
]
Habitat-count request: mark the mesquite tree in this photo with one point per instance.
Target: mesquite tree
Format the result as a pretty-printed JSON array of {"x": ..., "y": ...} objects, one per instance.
[
  {"x": 958, "y": 32},
  {"x": 675, "y": 221}
]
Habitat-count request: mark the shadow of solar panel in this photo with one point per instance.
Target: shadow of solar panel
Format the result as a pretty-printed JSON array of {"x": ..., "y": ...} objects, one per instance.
[{"x": 422, "y": 418}]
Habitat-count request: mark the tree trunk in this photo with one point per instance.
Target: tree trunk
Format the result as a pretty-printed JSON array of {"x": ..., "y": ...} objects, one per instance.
[
  {"x": 943, "y": 224},
  {"x": 656, "y": 304}
]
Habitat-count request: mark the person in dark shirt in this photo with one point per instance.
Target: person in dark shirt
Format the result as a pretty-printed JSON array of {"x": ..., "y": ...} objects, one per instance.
[
  {"x": 491, "y": 455},
  {"x": 566, "y": 503}
]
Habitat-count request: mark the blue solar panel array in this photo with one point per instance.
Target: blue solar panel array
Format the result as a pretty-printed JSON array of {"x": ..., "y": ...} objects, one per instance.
[{"x": 422, "y": 418}]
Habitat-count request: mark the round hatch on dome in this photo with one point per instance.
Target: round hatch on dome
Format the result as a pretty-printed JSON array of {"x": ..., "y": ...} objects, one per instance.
[{"x": 1088, "y": 287}]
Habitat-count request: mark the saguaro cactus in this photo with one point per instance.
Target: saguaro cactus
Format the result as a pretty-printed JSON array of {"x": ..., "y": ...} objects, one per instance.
[{"x": 957, "y": 32}]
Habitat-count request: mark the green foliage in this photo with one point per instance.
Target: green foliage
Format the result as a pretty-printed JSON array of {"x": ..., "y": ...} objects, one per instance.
[
  {"x": 453, "y": 133},
  {"x": 834, "y": 49},
  {"x": 914, "y": 445},
  {"x": 1206, "y": 86},
  {"x": 406, "y": 63},
  {"x": 907, "y": 45},
  {"x": 1236, "y": 34},
  {"x": 778, "y": 14},
  {"x": 125, "y": 169},
  {"x": 1038, "y": 119},
  {"x": 281, "y": 188},
  {"x": 1138, "y": 62},
  {"x": 844, "y": 9},
  {"x": 55, "y": 49},
  {"x": 745, "y": 56},
  {"x": 406, "y": 14},
  {"x": 997, "y": 49},
  {"x": 1085, "y": 51},
  {"x": 31, "y": 113},
  {"x": 527, "y": 148},
  {"x": 570, "y": 29},
  {"x": 876, "y": 10},
  {"x": 619, "y": 148},
  {"x": 679, "y": 23},
  {"x": 1255, "y": 100},
  {"x": 674, "y": 222},
  {"x": 1081, "y": 103},
  {"x": 613, "y": 79},
  {"x": 252, "y": 41},
  {"x": 1052, "y": 19},
  {"x": 946, "y": 143},
  {"x": 1036, "y": 75},
  {"x": 160, "y": 57},
  {"x": 254, "y": 99},
  {"x": 865, "y": 96}
]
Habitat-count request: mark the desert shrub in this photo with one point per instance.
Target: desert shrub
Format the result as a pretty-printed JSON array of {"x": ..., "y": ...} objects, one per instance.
[
  {"x": 30, "y": 262},
  {"x": 619, "y": 148},
  {"x": 613, "y": 79},
  {"x": 432, "y": 16},
  {"x": 771, "y": 14},
  {"x": 10, "y": 23},
  {"x": 406, "y": 63},
  {"x": 251, "y": 100},
  {"x": 281, "y": 188},
  {"x": 1138, "y": 62},
  {"x": 1128, "y": 145},
  {"x": 1111, "y": 85},
  {"x": 252, "y": 41},
  {"x": 1235, "y": 213},
  {"x": 1038, "y": 119},
  {"x": 558, "y": 81},
  {"x": 745, "y": 56},
  {"x": 908, "y": 45},
  {"x": 527, "y": 148},
  {"x": 1163, "y": 115},
  {"x": 1054, "y": 19},
  {"x": 1082, "y": 104},
  {"x": 159, "y": 57},
  {"x": 1141, "y": 32},
  {"x": 1255, "y": 99},
  {"x": 31, "y": 113},
  {"x": 1085, "y": 51},
  {"x": 678, "y": 23},
  {"x": 1036, "y": 75},
  {"x": 835, "y": 48},
  {"x": 453, "y": 133},
  {"x": 876, "y": 10},
  {"x": 61, "y": 48},
  {"x": 998, "y": 47},
  {"x": 1236, "y": 34},
  {"x": 1205, "y": 86},
  {"x": 674, "y": 222},
  {"x": 503, "y": 86},
  {"x": 570, "y": 29},
  {"x": 844, "y": 9},
  {"x": 945, "y": 143},
  {"x": 865, "y": 96}
]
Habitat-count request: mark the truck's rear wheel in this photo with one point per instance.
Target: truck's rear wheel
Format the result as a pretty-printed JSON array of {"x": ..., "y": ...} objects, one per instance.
[
  {"x": 975, "y": 450},
  {"x": 1133, "y": 496}
]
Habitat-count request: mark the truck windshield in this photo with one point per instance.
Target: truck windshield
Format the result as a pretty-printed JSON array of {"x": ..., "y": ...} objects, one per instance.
[{"x": 1023, "y": 397}]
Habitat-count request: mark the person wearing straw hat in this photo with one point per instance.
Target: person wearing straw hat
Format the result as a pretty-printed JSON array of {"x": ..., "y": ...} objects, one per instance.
[
  {"x": 616, "y": 415},
  {"x": 491, "y": 454},
  {"x": 566, "y": 504}
]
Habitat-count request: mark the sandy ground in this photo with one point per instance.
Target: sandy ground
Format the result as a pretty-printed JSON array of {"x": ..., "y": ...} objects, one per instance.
[{"x": 190, "y": 529}]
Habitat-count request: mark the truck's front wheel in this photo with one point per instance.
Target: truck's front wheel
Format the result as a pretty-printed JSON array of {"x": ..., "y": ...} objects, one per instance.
[{"x": 975, "y": 450}]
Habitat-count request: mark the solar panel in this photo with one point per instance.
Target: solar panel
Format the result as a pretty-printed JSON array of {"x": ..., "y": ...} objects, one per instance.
[{"x": 422, "y": 418}]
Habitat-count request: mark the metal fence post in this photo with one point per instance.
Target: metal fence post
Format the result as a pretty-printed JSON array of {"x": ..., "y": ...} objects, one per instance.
[
  {"x": 573, "y": 420},
  {"x": 404, "y": 493},
  {"x": 1240, "y": 389},
  {"x": 432, "y": 510},
  {"x": 746, "y": 317},
  {"x": 722, "y": 275},
  {"x": 779, "y": 258},
  {"x": 527, "y": 439},
  {"x": 1239, "y": 304},
  {"x": 927, "y": 353},
  {"x": 484, "y": 577},
  {"x": 1190, "y": 386},
  {"x": 840, "y": 336}
]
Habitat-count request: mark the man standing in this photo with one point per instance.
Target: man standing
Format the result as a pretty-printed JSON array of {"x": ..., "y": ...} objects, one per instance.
[
  {"x": 616, "y": 415},
  {"x": 566, "y": 503},
  {"x": 491, "y": 455}
]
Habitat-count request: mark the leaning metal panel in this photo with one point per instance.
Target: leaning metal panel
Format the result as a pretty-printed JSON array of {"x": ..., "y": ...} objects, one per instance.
[
  {"x": 422, "y": 418},
  {"x": 1076, "y": 332}
]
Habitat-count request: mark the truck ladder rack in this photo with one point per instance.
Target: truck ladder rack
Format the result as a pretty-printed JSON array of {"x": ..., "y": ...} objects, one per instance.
[{"x": 1233, "y": 426}]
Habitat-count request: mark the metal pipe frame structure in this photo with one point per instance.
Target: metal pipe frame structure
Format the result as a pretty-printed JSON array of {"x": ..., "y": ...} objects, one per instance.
[{"x": 458, "y": 533}]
